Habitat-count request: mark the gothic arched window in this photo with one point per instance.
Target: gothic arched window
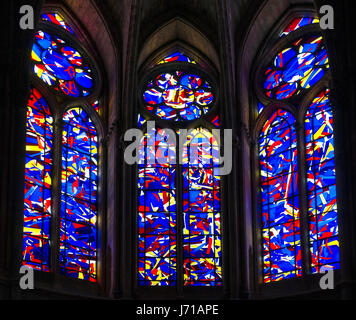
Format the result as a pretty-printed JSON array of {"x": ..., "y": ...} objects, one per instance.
[
  {"x": 179, "y": 234},
  {"x": 298, "y": 214},
  {"x": 62, "y": 151}
]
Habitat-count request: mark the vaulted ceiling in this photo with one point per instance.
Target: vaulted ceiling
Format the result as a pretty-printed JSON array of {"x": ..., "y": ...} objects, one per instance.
[
  {"x": 204, "y": 16},
  {"x": 207, "y": 16}
]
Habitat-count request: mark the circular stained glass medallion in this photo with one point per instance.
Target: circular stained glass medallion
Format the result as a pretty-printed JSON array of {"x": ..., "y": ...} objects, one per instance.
[
  {"x": 61, "y": 66},
  {"x": 178, "y": 95},
  {"x": 297, "y": 67}
]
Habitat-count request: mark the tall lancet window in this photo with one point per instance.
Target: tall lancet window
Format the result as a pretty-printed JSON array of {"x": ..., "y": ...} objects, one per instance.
[
  {"x": 279, "y": 196},
  {"x": 321, "y": 182},
  {"x": 38, "y": 183},
  {"x": 62, "y": 152},
  {"x": 298, "y": 206},
  {"x": 179, "y": 214}
]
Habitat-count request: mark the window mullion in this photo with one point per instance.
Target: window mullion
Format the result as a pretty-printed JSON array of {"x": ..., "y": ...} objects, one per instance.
[
  {"x": 303, "y": 199},
  {"x": 56, "y": 194}
]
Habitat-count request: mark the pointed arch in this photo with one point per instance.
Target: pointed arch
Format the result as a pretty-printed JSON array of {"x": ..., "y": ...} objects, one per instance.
[
  {"x": 157, "y": 211},
  {"x": 178, "y": 32},
  {"x": 279, "y": 197},
  {"x": 177, "y": 55},
  {"x": 321, "y": 184},
  {"x": 176, "y": 84}
]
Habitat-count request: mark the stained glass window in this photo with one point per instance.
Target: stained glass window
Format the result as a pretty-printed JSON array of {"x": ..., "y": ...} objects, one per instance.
[
  {"x": 201, "y": 210},
  {"x": 178, "y": 96},
  {"x": 297, "y": 67},
  {"x": 61, "y": 66},
  {"x": 279, "y": 198},
  {"x": 192, "y": 211},
  {"x": 78, "y": 231},
  {"x": 156, "y": 212},
  {"x": 38, "y": 182},
  {"x": 321, "y": 181}
]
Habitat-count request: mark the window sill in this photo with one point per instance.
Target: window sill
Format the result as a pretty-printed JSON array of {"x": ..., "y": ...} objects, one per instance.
[{"x": 307, "y": 285}]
